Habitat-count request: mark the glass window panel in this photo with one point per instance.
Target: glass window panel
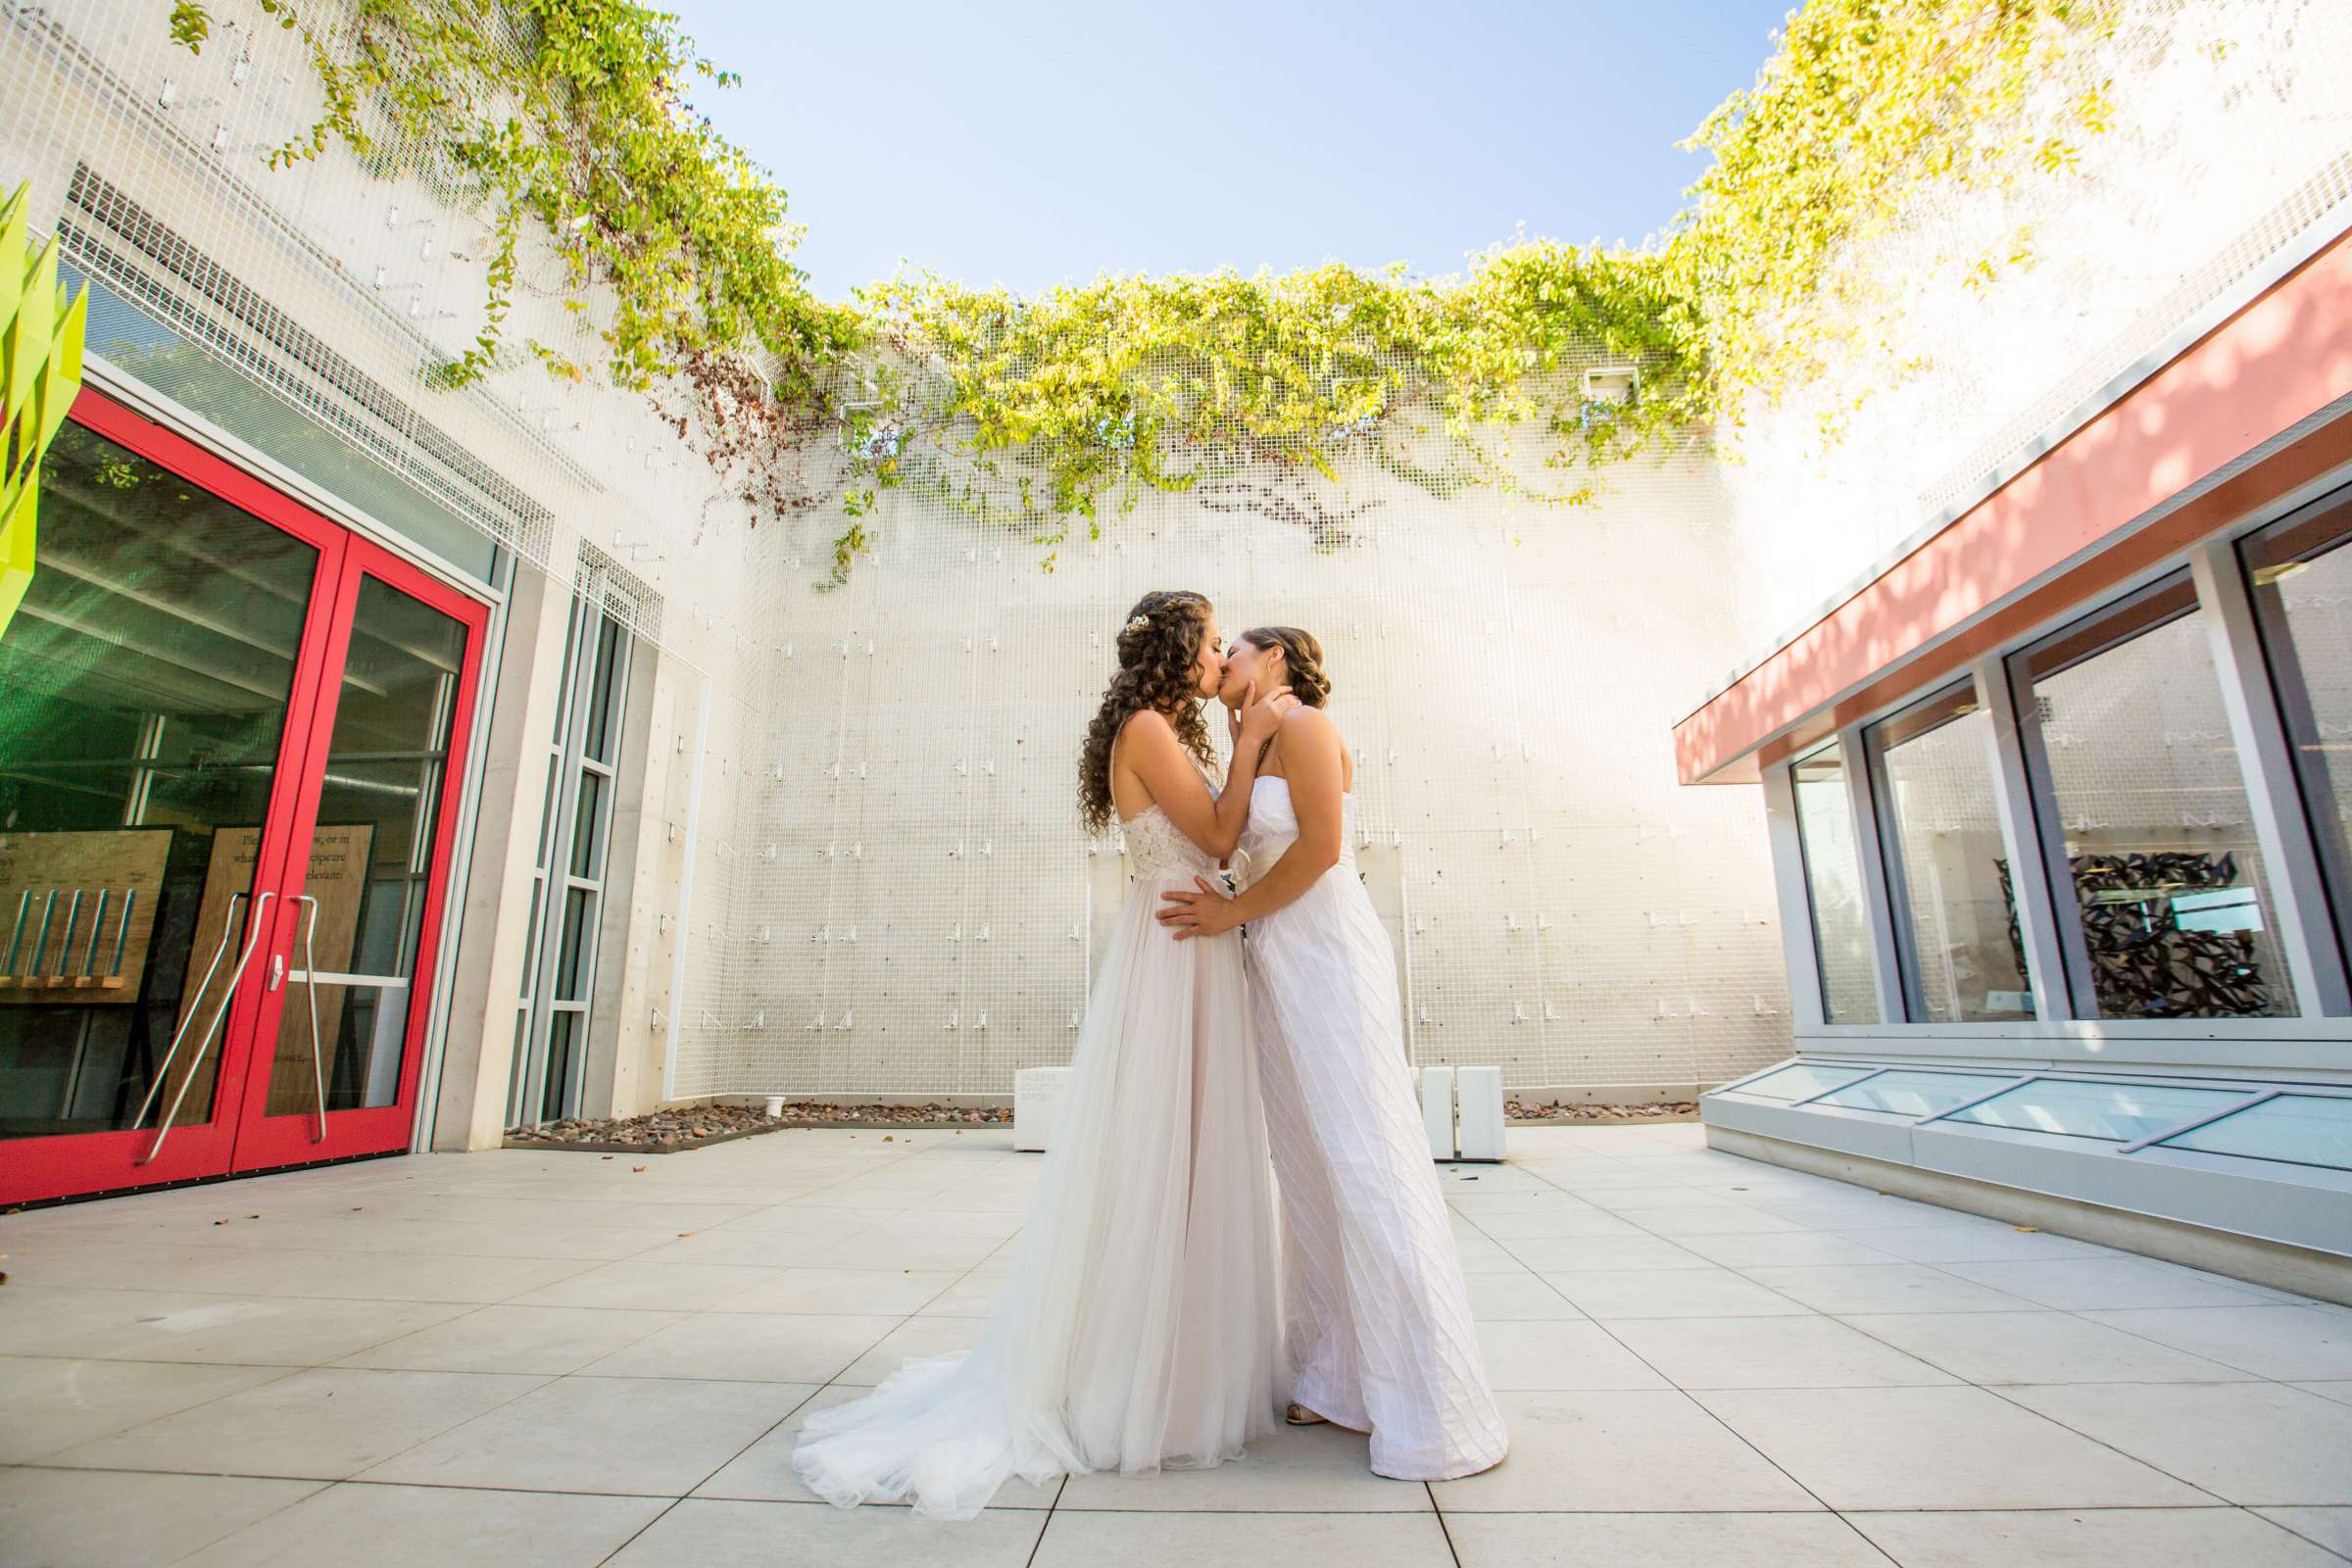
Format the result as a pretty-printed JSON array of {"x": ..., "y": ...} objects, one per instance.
[
  {"x": 562, "y": 1027},
  {"x": 1964, "y": 959},
  {"x": 568, "y": 694},
  {"x": 2300, "y": 574},
  {"x": 2118, "y": 1113},
  {"x": 571, "y": 958},
  {"x": 225, "y": 394},
  {"x": 2137, "y": 758},
  {"x": 143, "y": 688},
  {"x": 602, "y": 730},
  {"x": 1801, "y": 1081},
  {"x": 587, "y": 836},
  {"x": 547, "y": 812},
  {"x": 2300, "y": 1129},
  {"x": 378, "y": 812},
  {"x": 530, "y": 938},
  {"x": 1912, "y": 1094},
  {"x": 516, "y": 1066},
  {"x": 1825, "y": 823}
]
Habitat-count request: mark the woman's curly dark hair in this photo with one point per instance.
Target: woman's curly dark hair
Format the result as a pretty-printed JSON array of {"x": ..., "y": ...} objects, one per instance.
[{"x": 1159, "y": 651}]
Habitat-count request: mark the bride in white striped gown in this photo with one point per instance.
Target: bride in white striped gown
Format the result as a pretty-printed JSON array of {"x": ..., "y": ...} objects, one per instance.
[{"x": 1377, "y": 1315}]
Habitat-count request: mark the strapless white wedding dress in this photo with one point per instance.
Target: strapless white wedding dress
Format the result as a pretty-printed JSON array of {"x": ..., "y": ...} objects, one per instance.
[
  {"x": 1138, "y": 1326},
  {"x": 1378, "y": 1316}
]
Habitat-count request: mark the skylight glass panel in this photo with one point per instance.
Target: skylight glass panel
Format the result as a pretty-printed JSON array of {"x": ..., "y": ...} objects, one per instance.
[{"x": 2117, "y": 1112}]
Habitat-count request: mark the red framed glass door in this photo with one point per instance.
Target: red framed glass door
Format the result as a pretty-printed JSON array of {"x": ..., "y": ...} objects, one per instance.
[
  {"x": 345, "y": 995},
  {"x": 224, "y": 721}
]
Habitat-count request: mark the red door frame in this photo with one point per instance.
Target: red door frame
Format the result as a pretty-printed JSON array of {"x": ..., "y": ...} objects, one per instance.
[
  {"x": 264, "y": 1142},
  {"x": 230, "y": 1139}
]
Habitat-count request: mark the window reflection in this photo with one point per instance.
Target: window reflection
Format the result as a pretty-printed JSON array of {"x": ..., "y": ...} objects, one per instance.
[
  {"x": 2133, "y": 754},
  {"x": 2300, "y": 576},
  {"x": 1825, "y": 823},
  {"x": 1955, "y": 921}
]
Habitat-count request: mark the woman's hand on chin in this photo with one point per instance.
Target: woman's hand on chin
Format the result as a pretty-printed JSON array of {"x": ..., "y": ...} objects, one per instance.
[{"x": 1204, "y": 913}]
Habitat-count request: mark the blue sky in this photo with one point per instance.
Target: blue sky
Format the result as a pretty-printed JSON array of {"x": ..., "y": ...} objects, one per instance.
[{"x": 1034, "y": 143}]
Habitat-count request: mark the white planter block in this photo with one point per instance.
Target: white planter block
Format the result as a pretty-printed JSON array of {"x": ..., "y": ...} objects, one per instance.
[
  {"x": 1437, "y": 1110},
  {"x": 1036, "y": 1102},
  {"x": 1479, "y": 1114}
]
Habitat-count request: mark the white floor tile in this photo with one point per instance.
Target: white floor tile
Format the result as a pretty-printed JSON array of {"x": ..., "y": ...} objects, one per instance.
[
  {"x": 654, "y": 1437},
  {"x": 514, "y": 1339},
  {"x": 1632, "y": 1452},
  {"x": 1846, "y": 1288},
  {"x": 2295, "y": 1342},
  {"x": 53, "y": 1404},
  {"x": 361, "y": 1525},
  {"x": 2257, "y": 1443},
  {"x": 2092, "y": 1284},
  {"x": 2332, "y": 1527},
  {"x": 328, "y": 1423},
  {"x": 1715, "y": 1540},
  {"x": 114, "y": 1519},
  {"x": 1077, "y": 1540},
  {"x": 1504, "y": 1298},
  {"x": 2088, "y": 1538},
  {"x": 1670, "y": 1293},
  {"x": 715, "y": 1534},
  {"x": 772, "y": 1347},
  {"x": 1548, "y": 1355},
  {"x": 1770, "y": 1352},
  {"x": 1941, "y": 1448},
  {"x": 2038, "y": 1346}
]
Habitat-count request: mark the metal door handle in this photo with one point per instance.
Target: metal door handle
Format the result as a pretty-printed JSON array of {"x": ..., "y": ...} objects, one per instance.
[
  {"x": 205, "y": 1041},
  {"x": 228, "y": 929},
  {"x": 310, "y": 986}
]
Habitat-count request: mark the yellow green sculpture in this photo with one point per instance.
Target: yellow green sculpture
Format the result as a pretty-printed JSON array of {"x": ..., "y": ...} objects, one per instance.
[{"x": 40, "y": 369}]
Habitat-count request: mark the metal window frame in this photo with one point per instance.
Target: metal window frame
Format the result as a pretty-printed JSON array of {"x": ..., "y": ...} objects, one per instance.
[
  {"x": 2058, "y": 967},
  {"x": 1875, "y": 788},
  {"x": 552, "y": 878},
  {"x": 2284, "y": 663},
  {"x": 2275, "y": 800}
]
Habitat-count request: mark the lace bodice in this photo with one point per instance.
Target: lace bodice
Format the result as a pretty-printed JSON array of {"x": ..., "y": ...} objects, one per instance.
[
  {"x": 1157, "y": 847},
  {"x": 1274, "y": 823}
]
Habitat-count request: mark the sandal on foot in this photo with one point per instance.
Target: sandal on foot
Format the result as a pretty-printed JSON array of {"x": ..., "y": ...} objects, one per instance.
[{"x": 1299, "y": 1415}]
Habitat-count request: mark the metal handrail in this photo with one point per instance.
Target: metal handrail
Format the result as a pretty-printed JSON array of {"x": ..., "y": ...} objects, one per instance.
[
  {"x": 310, "y": 988},
  {"x": 204, "y": 1043},
  {"x": 229, "y": 928}
]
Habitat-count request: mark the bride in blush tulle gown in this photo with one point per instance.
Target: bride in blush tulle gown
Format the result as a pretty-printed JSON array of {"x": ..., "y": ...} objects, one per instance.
[
  {"x": 1138, "y": 1328},
  {"x": 1379, "y": 1327}
]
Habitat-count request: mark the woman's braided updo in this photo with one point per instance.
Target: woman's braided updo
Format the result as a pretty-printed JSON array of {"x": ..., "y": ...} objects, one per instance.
[
  {"x": 1159, "y": 660},
  {"x": 1301, "y": 661}
]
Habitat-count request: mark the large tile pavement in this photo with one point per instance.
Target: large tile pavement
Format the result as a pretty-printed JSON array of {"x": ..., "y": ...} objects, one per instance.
[{"x": 527, "y": 1358}]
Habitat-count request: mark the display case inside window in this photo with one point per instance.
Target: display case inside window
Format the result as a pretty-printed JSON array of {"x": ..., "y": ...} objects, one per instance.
[
  {"x": 2132, "y": 758},
  {"x": 1956, "y": 917}
]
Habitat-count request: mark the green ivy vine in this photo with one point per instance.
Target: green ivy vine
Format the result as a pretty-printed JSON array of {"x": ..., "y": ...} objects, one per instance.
[{"x": 571, "y": 118}]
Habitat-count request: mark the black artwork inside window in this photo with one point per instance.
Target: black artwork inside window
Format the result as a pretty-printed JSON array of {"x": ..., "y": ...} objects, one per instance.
[{"x": 2169, "y": 933}]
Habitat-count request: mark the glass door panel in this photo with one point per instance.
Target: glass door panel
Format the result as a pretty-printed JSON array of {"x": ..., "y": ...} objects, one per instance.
[
  {"x": 146, "y": 684},
  {"x": 354, "y": 934}
]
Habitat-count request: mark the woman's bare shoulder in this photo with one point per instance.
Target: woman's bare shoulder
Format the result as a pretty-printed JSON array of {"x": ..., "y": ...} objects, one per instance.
[{"x": 1311, "y": 725}]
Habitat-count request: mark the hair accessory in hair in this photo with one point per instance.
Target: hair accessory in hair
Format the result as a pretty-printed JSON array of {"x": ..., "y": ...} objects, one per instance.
[{"x": 1137, "y": 623}]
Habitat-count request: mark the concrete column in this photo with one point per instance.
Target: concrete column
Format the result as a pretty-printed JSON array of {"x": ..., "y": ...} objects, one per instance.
[
  {"x": 641, "y": 894},
  {"x": 487, "y": 980}
]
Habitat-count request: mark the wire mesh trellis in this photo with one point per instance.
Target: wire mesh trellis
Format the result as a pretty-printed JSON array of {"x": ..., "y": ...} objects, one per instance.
[{"x": 891, "y": 893}]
